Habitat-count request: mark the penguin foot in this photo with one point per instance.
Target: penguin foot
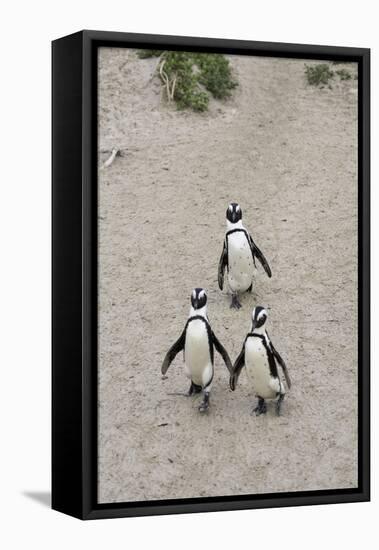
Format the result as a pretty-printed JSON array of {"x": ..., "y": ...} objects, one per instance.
[
  {"x": 235, "y": 304},
  {"x": 204, "y": 405},
  {"x": 194, "y": 388},
  {"x": 261, "y": 408},
  {"x": 278, "y": 405}
]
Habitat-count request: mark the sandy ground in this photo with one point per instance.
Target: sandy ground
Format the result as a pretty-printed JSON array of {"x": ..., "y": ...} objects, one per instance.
[{"x": 287, "y": 152}]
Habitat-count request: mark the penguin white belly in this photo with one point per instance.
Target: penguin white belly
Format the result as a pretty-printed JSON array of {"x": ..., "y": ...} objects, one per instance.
[
  {"x": 258, "y": 369},
  {"x": 241, "y": 267},
  {"x": 197, "y": 356}
]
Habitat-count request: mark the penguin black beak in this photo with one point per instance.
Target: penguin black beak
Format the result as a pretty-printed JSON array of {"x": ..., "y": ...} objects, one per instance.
[{"x": 254, "y": 325}]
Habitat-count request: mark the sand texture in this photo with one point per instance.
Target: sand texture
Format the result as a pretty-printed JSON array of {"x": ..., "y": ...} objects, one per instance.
[{"x": 287, "y": 152}]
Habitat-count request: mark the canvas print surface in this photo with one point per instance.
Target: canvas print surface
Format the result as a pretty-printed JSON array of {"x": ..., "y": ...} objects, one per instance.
[{"x": 192, "y": 147}]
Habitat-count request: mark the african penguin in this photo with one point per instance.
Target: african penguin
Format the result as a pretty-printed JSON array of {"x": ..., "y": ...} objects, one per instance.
[
  {"x": 197, "y": 341},
  {"x": 238, "y": 256},
  {"x": 260, "y": 358}
]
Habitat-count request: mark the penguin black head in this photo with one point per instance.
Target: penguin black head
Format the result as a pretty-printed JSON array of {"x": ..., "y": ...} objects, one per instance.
[
  {"x": 234, "y": 212},
  {"x": 198, "y": 298},
  {"x": 259, "y": 317}
]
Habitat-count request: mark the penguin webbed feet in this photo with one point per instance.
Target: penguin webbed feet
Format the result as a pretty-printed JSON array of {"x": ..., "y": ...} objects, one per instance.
[
  {"x": 204, "y": 405},
  {"x": 235, "y": 304},
  {"x": 278, "y": 405},
  {"x": 194, "y": 388},
  {"x": 261, "y": 408}
]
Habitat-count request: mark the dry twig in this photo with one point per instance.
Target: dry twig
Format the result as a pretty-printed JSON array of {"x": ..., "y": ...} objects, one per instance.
[{"x": 115, "y": 152}]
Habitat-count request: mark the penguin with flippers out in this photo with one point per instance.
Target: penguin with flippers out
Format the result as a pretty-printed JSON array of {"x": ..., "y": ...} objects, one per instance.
[
  {"x": 261, "y": 360},
  {"x": 238, "y": 256},
  {"x": 198, "y": 342}
]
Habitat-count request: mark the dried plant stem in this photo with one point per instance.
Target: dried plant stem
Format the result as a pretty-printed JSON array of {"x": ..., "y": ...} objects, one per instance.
[
  {"x": 156, "y": 67},
  {"x": 173, "y": 87},
  {"x": 168, "y": 84},
  {"x": 109, "y": 160}
]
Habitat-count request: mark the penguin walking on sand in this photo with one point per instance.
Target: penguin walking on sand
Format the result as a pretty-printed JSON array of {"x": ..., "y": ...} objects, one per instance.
[
  {"x": 198, "y": 341},
  {"x": 261, "y": 360},
  {"x": 238, "y": 256}
]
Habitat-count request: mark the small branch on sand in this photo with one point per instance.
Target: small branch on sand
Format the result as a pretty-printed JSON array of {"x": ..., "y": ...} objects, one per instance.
[{"x": 115, "y": 153}]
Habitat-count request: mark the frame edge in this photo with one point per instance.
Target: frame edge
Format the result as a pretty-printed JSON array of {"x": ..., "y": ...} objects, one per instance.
[{"x": 67, "y": 462}]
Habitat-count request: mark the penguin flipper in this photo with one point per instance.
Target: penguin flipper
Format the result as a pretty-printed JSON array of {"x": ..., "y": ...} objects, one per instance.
[
  {"x": 221, "y": 267},
  {"x": 222, "y": 351},
  {"x": 257, "y": 253},
  {"x": 237, "y": 367},
  {"x": 281, "y": 362},
  {"x": 173, "y": 352}
]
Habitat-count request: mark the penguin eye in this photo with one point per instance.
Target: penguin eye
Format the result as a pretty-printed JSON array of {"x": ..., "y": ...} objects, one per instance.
[{"x": 261, "y": 317}]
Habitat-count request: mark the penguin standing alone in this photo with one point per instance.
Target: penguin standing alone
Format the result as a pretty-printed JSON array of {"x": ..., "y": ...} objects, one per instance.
[
  {"x": 198, "y": 341},
  {"x": 260, "y": 358},
  {"x": 238, "y": 256}
]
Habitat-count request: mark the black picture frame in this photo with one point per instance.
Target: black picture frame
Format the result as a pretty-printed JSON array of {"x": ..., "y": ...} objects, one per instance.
[{"x": 74, "y": 273}]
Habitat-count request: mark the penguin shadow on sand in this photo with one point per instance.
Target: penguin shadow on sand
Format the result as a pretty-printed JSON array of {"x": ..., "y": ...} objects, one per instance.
[{"x": 198, "y": 341}]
